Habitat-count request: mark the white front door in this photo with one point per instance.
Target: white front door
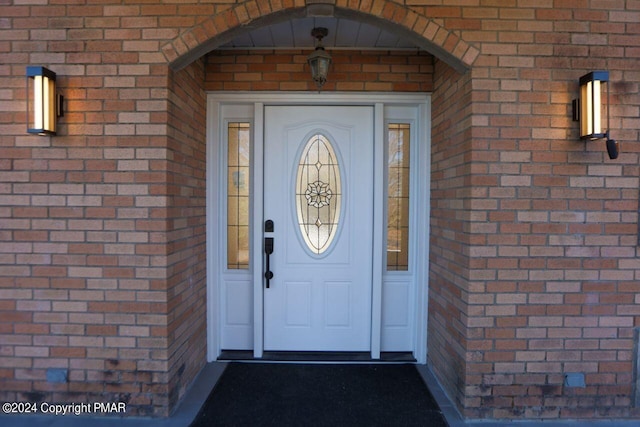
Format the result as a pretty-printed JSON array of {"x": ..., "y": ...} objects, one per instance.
[{"x": 318, "y": 191}]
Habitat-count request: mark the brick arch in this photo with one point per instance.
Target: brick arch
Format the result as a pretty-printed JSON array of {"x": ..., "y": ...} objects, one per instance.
[{"x": 223, "y": 27}]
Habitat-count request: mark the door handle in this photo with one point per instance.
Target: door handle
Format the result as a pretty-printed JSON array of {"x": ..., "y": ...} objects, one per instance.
[{"x": 268, "y": 249}]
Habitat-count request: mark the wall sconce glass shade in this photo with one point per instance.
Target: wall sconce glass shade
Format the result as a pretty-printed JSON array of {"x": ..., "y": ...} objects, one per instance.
[
  {"x": 41, "y": 101},
  {"x": 319, "y": 60},
  {"x": 594, "y": 105}
]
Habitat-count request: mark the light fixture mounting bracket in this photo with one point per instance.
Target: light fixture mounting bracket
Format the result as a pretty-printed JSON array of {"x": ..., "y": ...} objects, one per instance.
[{"x": 319, "y": 33}]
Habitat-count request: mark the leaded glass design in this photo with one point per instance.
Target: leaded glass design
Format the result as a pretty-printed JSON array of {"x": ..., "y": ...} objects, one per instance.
[
  {"x": 398, "y": 197},
  {"x": 318, "y": 193},
  {"x": 238, "y": 157}
]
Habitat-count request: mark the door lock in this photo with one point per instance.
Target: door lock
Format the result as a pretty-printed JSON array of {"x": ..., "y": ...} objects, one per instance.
[{"x": 268, "y": 226}]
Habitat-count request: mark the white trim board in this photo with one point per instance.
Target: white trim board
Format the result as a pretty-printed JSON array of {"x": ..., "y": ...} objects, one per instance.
[{"x": 253, "y": 103}]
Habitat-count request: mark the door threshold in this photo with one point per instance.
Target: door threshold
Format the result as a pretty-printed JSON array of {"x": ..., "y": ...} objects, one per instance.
[{"x": 317, "y": 356}]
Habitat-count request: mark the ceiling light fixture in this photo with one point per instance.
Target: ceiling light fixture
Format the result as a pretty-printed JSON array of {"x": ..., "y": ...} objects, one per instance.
[{"x": 319, "y": 60}]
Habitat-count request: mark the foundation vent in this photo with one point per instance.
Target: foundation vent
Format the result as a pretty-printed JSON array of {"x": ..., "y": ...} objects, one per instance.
[{"x": 574, "y": 379}]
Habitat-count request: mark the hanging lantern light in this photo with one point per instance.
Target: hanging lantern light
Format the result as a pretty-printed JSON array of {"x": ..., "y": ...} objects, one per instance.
[{"x": 319, "y": 60}]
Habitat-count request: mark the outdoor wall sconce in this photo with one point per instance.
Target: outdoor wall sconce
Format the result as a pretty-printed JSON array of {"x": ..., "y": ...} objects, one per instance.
[
  {"x": 593, "y": 110},
  {"x": 44, "y": 105},
  {"x": 319, "y": 60}
]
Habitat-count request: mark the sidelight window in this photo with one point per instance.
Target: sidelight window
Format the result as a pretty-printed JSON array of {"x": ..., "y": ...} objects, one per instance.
[
  {"x": 398, "y": 175},
  {"x": 238, "y": 158}
]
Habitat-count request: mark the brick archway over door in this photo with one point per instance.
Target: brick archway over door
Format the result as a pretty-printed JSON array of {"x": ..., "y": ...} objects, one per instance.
[
  {"x": 224, "y": 26},
  {"x": 454, "y": 54}
]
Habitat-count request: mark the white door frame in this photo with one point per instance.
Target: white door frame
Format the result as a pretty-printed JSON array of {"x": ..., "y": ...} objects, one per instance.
[{"x": 420, "y": 210}]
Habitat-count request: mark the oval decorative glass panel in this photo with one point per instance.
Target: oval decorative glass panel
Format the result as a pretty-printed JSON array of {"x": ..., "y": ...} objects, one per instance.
[{"x": 318, "y": 193}]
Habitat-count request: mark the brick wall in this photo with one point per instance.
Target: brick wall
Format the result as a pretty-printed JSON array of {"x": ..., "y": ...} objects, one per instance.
[
  {"x": 186, "y": 263},
  {"x": 449, "y": 251},
  {"x": 86, "y": 219},
  {"x": 84, "y": 248},
  {"x": 103, "y": 259},
  {"x": 554, "y": 272},
  {"x": 535, "y": 269},
  {"x": 382, "y": 71}
]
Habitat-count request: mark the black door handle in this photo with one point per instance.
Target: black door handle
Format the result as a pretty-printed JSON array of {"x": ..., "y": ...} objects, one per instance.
[{"x": 268, "y": 249}]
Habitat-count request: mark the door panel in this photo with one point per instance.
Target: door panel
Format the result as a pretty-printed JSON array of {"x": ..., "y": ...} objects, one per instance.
[{"x": 319, "y": 299}]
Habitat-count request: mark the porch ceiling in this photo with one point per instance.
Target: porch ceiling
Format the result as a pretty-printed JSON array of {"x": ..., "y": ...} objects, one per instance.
[{"x": 296, "y": 33}]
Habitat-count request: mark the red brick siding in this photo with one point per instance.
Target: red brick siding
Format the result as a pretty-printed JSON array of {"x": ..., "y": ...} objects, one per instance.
[
  {"x": 83, "y": 270},
  {"x": 553, "y": 222},
  {"x": 450, "y": 240},
  {"x": 539, "y": 264},
  {"x": 186, "y": 183},
  {"x": 382, "y": 71}
]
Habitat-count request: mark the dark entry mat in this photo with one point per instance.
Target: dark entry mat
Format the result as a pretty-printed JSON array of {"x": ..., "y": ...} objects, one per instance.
[{"x": 263, "y": 394}]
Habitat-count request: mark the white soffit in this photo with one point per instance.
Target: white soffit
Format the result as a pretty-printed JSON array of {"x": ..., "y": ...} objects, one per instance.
[{"x": 296, "y": 34}]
